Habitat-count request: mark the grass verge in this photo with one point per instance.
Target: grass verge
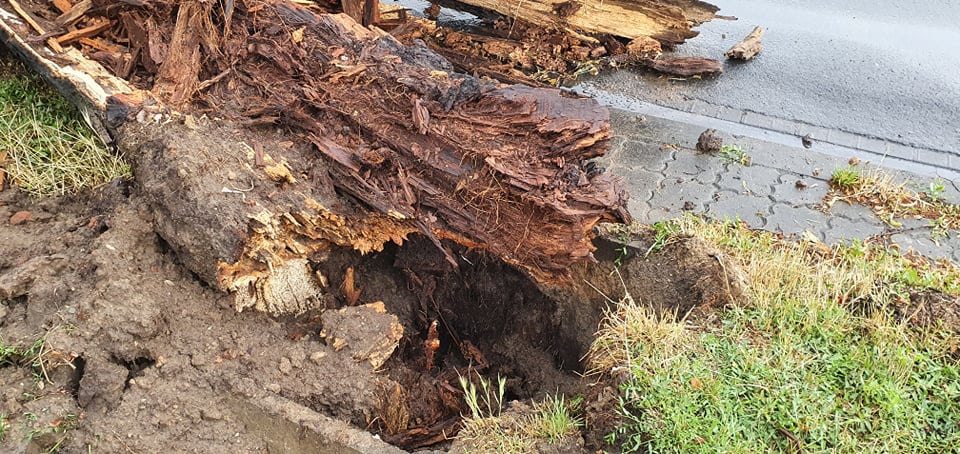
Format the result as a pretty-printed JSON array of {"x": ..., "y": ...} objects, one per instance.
[
  {"x": 488, "y": 429},
  {"x": 891, "y": 200},
  {"x": 46, "y": 147},
  {"x": 812, "y": 361}
]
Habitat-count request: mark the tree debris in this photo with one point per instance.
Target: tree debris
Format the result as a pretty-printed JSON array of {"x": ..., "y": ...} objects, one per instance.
[
  {"x": 749, "y": 47},
  {"x": 669, "y": 21}
]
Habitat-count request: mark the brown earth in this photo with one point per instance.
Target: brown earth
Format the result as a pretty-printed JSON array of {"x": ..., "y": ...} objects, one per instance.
[
  {"x": 141, "y": 356},
  {"x": 136, "y": 353}
]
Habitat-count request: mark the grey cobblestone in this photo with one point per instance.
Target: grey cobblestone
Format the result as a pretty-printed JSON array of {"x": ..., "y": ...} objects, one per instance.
[
  {"x": 682, "y": 194},
  {"x": 788, "y": 220},
  {"x": 665, "y": 182},
  {"x": 690, "y": 164},
  {"x": 844, "y": 139},
  {"x": 843, "y": 229},
  {"x": 751, "y": 209},
  {"x": 901, "y": 151},
  {"x": 755, "y": 180},
  {"x": 642, "y": 155},
  {"x": 788, "y": 193},
  {"x": 854, "y": 212},
  {"x": 933, "y": 157}
]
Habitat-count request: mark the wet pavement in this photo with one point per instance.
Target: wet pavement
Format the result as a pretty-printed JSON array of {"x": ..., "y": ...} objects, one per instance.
[
  {"x": 869, "y": 78},
  {"x": 667, "y": 177}
]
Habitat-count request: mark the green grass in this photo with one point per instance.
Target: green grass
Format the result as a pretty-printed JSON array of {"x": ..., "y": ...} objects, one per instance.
[
  {"x": 486, "y": 401},
  {"x": 810, "y": 361},
  {"x": 734, "y": 154},
  {"x": 846, "y": 177},
  {"x": 4, "y": 426},
  {"x": 892, "y": 201},
  {"x": 49, "y": 149},
  {"x": 548, "y": 422},
  {"x": 554, "y": 419}
]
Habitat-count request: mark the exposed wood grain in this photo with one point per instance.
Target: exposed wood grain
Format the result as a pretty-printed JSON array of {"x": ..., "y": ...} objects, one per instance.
[
  {"x": 34, "y": 22},
  {"x": 668, "y": 21},
  {"x": 62, "y": 5},
  {"x": 749, "y": 47},
  {"x": 85, "y": 32},
  {"x": 684, "y": 66},
  {"x": 179, "y": 73},
  {"x": 73, "y": 14}
]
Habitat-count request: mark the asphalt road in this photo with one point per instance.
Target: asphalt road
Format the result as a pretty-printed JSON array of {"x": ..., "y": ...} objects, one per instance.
[{"x": 884, "y": 70}]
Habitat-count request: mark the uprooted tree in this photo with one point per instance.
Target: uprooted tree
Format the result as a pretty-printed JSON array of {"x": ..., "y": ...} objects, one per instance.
[{"x": 378, "y": 139}]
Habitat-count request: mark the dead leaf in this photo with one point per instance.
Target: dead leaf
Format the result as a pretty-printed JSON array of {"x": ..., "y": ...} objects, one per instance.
[
  {"x": 297, "y": 35},
  {"x": 696, "y": 384}
]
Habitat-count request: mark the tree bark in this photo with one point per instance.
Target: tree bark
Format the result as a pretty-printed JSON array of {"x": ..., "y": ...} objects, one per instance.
[
  {"x": 383, "y": 141},
  {"x": 668, "y": 21}
]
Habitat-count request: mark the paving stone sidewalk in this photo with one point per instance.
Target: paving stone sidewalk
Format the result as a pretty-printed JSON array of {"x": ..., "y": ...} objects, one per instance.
[{"x": 667, "y": 177}]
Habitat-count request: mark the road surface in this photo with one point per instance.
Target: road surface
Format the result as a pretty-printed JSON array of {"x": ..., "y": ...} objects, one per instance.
[{"x": 877, "y": 77}]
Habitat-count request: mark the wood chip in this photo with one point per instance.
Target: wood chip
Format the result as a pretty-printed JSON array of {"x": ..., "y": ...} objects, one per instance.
[
  {"x": 74, "y": 14},
  {"x": 27, "y": 16},
  {"x": 748, "y": 48},
  {"x": 86, "y": 32},
  {"x": 62, "y": 5}
]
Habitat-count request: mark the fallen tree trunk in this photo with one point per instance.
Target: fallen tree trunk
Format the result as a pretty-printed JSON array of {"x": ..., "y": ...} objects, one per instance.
[
  {"x": 669, "y": 21},
  {"x": 409, "y": 146}
]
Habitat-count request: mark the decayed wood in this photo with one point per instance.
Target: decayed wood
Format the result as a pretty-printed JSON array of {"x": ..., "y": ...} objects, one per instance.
[
  {"x": 668, "y": 21},
  {"x": 3, "y": 171},
  {"x": 684, "y": 66},
  {"x": 178, "y": 73},
  {"x": 85, "y": 32},
  {"x": 33, "y": 21},
  {"x": 749, "y": 47},
  {"x": 486, "y": 166},
  {"x": 103, "y": 98}
]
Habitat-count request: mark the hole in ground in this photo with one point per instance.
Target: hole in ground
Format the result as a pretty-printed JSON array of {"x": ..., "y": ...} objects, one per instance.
[
  {"x": 491, "y": 320},
  {"x": 135, "y": 367}
]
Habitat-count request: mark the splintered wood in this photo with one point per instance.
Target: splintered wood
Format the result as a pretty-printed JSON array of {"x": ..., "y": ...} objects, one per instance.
[
  {"x": 749, "y": 47},
  {"x": 668, "y": 21},
  {"x": 412, "y": 146}
]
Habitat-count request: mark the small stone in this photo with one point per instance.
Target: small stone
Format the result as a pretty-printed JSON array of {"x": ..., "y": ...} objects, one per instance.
[
  {"x": 817, "y": 172},
  {"x": 190, "y": 122},
  {"x": 231, "y": 175},
  {"x": 807, "y": 141},
  {"x": 800, "y": 184},
  {"x": 285, "y": 366},
  {"x": 20, "y": 217},
  {"x": 197, "y": 361},
  {"x": 709, "y": 141},
  {"x": 273, "y": 387},
  {"x": 211, "y": 414},
  {"x": 854, "y": 161},
  {"x": 317, "y": 357}
]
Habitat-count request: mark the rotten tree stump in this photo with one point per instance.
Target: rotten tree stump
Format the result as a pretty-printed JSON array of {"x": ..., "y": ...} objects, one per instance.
[{"x": 382, "y": 141}]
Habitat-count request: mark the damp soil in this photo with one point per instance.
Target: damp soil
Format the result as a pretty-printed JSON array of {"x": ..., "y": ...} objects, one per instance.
[{"x": 142, "y": 356}]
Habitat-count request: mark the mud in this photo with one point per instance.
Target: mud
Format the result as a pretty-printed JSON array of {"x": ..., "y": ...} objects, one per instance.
[{"x": 141, "y": 356}]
